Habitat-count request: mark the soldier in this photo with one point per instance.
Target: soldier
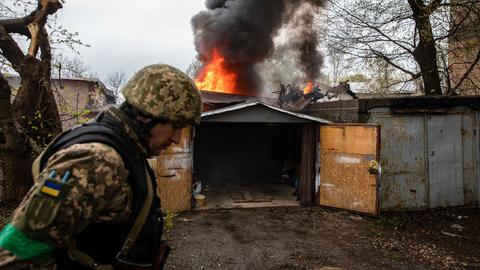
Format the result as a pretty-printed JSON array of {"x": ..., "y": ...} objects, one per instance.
[{"x": 93, "y": 204}]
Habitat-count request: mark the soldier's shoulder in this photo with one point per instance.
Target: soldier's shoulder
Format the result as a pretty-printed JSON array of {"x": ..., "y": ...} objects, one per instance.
[{"x": 94, "y": 151}]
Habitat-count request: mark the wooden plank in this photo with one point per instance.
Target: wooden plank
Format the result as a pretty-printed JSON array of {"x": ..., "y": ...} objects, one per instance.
[
  {"x": 174, "y": 178},
  {"x": 184, "y": 145},
  {"x": 352, "y": 139},
  {"x": 346, "y": 183},
  {"x": 173, "y": 170},
  {"x": 345, "y": 155}
]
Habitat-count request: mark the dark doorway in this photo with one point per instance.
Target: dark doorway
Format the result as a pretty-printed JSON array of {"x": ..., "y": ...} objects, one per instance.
[{"x": 248, "y": 164}]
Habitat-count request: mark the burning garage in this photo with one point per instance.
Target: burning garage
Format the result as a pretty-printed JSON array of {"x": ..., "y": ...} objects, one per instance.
[
  {"x": 425, "y": 157},
  {"x": 252, "y": 154},
  {"x": 250, "y": 150}
]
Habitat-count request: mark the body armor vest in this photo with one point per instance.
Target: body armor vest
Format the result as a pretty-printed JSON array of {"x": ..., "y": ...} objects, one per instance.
[{"x": 103, "y": 241}]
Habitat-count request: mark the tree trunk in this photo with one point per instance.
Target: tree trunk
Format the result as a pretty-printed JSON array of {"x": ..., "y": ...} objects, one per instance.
[
  {"x": 425, "y": 52},
  {"x": 34, "y": 106},
  {"x": 15, "y": 176},
  {"x": 33, "y": 120}
]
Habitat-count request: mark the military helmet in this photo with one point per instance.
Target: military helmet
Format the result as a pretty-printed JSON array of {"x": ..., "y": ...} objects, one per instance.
[{"x": 164, "y": 92}]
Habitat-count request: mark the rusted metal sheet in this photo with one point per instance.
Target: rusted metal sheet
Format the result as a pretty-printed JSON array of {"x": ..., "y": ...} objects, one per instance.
[
  {"x": 476, "y": 139},
  {"x": 445, "y": 160},
  {"x": 345, "y": 155},
  {"x": 306, "y": 190},
  {"x": 257, "y": 112},
  {"x": 410, "y": 179},
  {"x": 476, "y": 133},
  {"x": 403, "y": 181},
  {"x": 469, "y": 177},
  {"x": 174, "y": 174}
]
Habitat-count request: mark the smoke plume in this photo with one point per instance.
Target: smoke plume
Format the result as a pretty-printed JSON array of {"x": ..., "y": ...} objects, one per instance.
[{"x": 245, "y": 31}]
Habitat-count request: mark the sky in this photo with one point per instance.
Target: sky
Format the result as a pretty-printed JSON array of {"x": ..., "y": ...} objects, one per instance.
[{"x": 129, "y": 35}]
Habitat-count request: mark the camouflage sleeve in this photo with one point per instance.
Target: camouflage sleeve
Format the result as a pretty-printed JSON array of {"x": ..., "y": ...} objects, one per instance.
[{"x": 97, "y": 190}]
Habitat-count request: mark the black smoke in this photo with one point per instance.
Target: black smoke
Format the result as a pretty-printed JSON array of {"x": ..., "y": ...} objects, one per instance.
[{"x": 243, "y": 32}]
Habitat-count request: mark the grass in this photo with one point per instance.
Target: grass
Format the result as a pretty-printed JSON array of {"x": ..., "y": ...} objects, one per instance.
[{"x": 393, "y": 220}]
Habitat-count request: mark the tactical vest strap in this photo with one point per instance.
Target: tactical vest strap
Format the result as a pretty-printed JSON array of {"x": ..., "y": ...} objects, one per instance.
[
  {"x": 140, "y": 220},
  {"x": 36, "y": 166}
]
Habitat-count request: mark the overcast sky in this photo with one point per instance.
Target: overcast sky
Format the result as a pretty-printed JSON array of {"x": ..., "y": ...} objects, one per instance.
[{"x": 131, "y": 34}]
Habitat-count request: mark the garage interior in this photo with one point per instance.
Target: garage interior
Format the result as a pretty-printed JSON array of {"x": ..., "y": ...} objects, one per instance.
[
  {"x": 250, "y": 157},
  {"x": 241, "y": 164}
]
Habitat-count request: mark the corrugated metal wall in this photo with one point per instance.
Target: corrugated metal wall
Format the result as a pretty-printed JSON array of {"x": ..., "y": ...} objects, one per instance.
[{"x": 428, "y": 160}]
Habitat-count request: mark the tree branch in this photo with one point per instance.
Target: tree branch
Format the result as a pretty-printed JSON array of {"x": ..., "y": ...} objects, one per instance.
[
  {"x": 368, "y": 25},
  {"x": 11, "y": 50},
  {"x": 388, "y": 60},
  {"x": 465, "y": 75},
  {"x": 19, "y": 25},
  {"x": 47, "y": 7},
  {"x": 432, "y": 7}
]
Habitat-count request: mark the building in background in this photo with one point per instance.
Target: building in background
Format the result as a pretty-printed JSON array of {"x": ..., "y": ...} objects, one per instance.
[
  {"x": 78, "y": 99},
  {"x": 464, "y": 49}
]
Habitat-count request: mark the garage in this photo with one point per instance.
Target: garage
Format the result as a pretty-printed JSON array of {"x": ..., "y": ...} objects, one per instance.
[{"x": 251, "y": 155}]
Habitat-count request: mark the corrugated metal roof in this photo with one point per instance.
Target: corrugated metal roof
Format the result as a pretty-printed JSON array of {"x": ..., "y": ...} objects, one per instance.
[{"x": 258, "y": 103}]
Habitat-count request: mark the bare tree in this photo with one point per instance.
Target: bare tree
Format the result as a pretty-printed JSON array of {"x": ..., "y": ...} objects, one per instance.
[
  {"x": 115, "y": 80},
  {"x": 408, "y": 35},
  {"x": 194, "y": 67},
  {"x": 32, "y": 120},
  {"x": 70, "y": 67}
]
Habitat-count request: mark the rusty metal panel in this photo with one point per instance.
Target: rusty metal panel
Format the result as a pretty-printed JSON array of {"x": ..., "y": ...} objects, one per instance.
[
  {"x": 403, "y": 181},
  {"x": 445, "y": 160},
  {"x": 477, "y": 153},
  {"x": 345, "y": 155},
  {"x": 469, "y": 176},
  {"x": 173, "y": 170}
]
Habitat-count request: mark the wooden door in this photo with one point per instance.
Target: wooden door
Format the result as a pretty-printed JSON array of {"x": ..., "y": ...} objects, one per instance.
[{"x": 349, "y": 156}]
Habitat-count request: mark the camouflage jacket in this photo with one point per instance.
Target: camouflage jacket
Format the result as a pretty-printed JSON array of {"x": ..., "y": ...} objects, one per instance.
[{"x": 98, "y": 190}]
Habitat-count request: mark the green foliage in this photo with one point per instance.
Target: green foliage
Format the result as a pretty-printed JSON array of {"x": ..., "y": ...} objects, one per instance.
[
  {"x": 393, "y": 220},
  {"x": 168, "y": 221},
  {"x": 82, "y": 113}
]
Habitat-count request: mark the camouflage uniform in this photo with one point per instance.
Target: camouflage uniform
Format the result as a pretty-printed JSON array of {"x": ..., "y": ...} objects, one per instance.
[{"x": 98, "y": 190}]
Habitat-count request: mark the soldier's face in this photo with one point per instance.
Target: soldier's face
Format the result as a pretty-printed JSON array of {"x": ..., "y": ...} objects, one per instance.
[{"x": 162, "y": 135}]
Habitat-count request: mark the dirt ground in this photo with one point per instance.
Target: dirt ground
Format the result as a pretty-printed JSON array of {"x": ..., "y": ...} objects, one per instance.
[
  {"x": 318, "y": 238},
  {"x": 6, "y": 211}
]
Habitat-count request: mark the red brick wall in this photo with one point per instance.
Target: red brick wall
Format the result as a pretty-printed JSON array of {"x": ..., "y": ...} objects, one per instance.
[{"x": 463, "y": 48}]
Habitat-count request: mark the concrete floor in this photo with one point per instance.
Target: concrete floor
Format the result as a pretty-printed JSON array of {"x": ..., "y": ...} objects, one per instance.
[{"x": 246, "y": 195}]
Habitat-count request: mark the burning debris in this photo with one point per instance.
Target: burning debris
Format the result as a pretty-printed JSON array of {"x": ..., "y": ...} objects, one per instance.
[
  {"x": 232, "y": 37},
  {"x": 294, "y": 98}
]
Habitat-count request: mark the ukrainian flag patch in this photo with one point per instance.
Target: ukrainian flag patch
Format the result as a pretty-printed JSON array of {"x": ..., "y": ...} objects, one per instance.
[{"x": 51, "y": 188}]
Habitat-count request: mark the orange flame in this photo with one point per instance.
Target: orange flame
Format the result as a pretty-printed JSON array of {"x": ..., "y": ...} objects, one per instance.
[
  {"x": 215, "y": 77},
  {"x": 308, "y": 88}
]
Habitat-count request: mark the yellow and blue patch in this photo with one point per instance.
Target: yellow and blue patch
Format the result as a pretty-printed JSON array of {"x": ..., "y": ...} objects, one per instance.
[{"x": 51, "y": 188}]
